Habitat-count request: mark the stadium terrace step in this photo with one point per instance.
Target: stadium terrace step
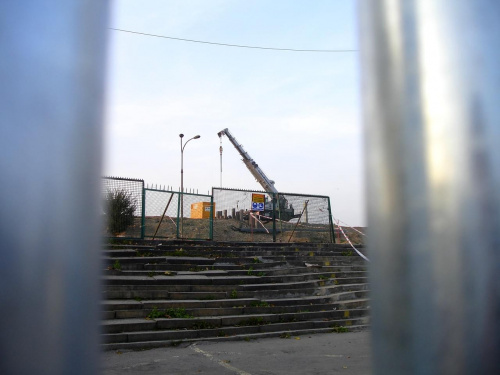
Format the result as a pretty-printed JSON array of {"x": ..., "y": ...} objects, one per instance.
[{"x": 160, "y": 294}]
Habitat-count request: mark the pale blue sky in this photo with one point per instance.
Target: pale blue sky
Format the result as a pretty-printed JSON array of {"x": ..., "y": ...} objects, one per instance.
[{"x": 297, "y": 114}]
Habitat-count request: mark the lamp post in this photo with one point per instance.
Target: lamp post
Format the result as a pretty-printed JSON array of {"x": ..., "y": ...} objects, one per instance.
[{"x": 182, "y": 179}]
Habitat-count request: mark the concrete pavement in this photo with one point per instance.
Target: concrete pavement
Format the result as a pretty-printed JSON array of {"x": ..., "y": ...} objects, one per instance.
[{"x": 333, "y": 353}]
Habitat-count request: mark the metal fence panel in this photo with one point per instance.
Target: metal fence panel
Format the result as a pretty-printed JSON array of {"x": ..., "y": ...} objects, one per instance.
[
  {"x": 123, "y": 206},
  {"x": 295, "y": 217},
  {"x": 164, "y": 217},
  {"x": 304, "y": 218},
  {"x": 233, "y": 221}
]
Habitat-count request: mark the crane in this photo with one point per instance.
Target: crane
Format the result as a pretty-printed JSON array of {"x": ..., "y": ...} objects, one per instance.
[{"x": 285, "y": 212}]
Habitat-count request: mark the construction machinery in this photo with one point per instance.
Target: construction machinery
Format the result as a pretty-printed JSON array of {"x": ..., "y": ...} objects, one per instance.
[{"x": 284, "y": 211}]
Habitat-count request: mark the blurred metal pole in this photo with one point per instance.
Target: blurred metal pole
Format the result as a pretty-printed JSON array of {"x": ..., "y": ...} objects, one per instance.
[
  {"x": 431, "y": 72},
  {"x": 51, "y": 101}
]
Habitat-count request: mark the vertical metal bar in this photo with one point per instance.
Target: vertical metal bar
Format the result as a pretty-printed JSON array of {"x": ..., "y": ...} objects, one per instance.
[
  {"x": 178, "y": 213},
  {"x": 143, "y": 212},
  {"x": 332, "y": 228},
  {"x": 211, "y": 225},
  {"x": 274, "y": 215},
  {"x": 431, "y": 89},
  {"x": 51, "y": 104}
]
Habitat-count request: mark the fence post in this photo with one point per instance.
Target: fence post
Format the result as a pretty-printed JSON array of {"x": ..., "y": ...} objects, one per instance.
[
  {"x": 51, "y": 94},
  {"x": 332, "y": 228},
  {"x": 143, "y": 212},
  {"x": 211, "y": 235},
  {"x": 178, "y": 213},
  {"x": 274, "y": 216},
  {"x": 431, "y": 82}
]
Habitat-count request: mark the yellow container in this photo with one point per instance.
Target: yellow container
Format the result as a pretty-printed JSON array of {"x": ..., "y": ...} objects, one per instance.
[{"x": 201, "y": 210}]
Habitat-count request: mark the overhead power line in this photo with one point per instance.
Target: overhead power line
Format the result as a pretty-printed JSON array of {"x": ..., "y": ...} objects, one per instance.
[{"x": 237, "y": 45}]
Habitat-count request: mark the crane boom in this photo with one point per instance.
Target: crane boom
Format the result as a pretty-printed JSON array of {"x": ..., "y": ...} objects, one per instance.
[{"x": 252, "y": 166}]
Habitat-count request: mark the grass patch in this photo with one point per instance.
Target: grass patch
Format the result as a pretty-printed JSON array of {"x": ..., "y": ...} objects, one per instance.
[
  {"x": 234, "y": 294},
  {"x": 116, "y": 266},
  {"x": 340, "y": 329},
  {"x": 347, "y": 253},
  {"x": 256, "y": 260},
  {"x": 169, "y": 313},
  {"x": 196, "y": 269},
  {"x": 259, "y": 304}
]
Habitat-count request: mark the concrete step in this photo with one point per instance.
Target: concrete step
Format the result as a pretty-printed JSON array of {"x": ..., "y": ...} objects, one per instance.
[
  {"x": 208, "y": 292},
  {"x": 243, "y": 307},
  {"x": 156, "y": 341},
  {"x": 226, "y": 291},
  {"x": 152, "y": 339},
  {"x": 138, "y": 324}
]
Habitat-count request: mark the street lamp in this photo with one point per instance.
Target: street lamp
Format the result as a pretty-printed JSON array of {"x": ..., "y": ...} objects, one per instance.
[{"x": 182, "y": 179}]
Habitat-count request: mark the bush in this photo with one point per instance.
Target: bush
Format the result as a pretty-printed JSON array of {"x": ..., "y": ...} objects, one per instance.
[{"x": 119, "y": 209}]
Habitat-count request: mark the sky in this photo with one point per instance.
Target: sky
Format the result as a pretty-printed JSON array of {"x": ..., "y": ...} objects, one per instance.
[{"x": 297, "y": 114}]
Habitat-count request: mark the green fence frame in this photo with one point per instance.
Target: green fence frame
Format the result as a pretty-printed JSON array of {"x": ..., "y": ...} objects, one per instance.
[
  {"x": 287, "y": 213},
  {"x": 277, "y": 213}
]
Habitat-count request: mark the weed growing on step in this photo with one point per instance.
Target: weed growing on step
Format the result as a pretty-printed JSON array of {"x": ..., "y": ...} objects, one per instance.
[
  {"x": 151, "y": 274},
  {"x": 178, "y": 253},
  {"x": 250, "y": 271},
  {"x": 259, "y": 304},
  {"x": 285, "y": 335},
  {"x": 203, "y": 325},
  {"x": 323, "y": 277},
  {"x": 196, "y": 269},
  {"x": 176, "y": 343},
  {"x": 168, "y": 313},
  {"x": 234, "y": 294},
  {"x": 156, "y": 314},
  {"x": 256, "y": 260},
  {"x": 247, "y": 339},
  {"x": 138, "y": 299},
  {"x": 177, "y": 313},
  {"x": 116, "y": 266},
  {"x": 340, "y": 329},
  {"x": 347, "y": 253}
]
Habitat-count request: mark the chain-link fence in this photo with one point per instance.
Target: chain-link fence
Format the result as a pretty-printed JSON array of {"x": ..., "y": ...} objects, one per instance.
[
  {"x": 132, "y": 211},
  {"x": 170, "y": 214},
  {"x": 123, "y": 207},
  {"x": 257, "y": 216}
]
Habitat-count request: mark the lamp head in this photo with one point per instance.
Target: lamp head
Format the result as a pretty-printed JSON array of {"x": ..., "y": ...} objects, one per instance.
[
  {"x": 181, "y": 135},
  {"x": 196, "y": 136}
]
